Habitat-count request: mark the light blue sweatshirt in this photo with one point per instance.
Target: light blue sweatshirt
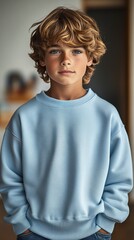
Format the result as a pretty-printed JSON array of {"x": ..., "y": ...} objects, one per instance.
[{"x": 66, "y": 167}]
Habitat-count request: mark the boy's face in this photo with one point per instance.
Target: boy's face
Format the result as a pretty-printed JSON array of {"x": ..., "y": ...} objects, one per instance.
[{"x": 66, "y": 65}]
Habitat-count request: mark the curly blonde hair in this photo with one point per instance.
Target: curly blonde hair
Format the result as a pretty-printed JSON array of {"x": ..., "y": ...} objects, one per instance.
[{"x": 71, "y": 27}]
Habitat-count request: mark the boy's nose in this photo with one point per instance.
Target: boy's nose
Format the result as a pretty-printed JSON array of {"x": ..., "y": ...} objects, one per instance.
[{"x": 65, "y": 61}]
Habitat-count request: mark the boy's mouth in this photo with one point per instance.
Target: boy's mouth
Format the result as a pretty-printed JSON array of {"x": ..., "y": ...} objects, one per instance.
[{"x": 66, "y": 72}]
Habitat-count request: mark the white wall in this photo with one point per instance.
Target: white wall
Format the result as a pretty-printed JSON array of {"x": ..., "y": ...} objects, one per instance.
[{"x": 16, "y": 17}]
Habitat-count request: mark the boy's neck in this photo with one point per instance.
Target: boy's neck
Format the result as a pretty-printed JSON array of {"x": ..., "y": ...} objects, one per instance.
[{"x": 66, "y": 94}]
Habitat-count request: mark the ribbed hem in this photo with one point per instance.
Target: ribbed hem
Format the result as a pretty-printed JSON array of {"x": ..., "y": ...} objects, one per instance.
[{"x": 63, "y": 230}]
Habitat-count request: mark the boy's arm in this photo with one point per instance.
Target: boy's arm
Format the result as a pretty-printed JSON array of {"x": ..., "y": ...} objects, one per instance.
[
  {"x": 118, "y": 184},
  {"x": 11, "y": 183}
]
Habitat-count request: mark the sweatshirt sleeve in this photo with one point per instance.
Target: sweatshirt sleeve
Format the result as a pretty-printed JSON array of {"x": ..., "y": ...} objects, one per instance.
[
  {"x": 118, "y": 184},
  {"x": 11, "y": 182}
]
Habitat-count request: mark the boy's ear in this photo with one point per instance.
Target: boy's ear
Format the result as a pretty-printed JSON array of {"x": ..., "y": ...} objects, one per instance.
[{"x": 89, "y": 63}]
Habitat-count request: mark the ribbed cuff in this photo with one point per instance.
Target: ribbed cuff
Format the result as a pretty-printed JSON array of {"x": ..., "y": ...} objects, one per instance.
[
  {"x": 105, "y": 223},
  {"x": 22, "y": 226}
]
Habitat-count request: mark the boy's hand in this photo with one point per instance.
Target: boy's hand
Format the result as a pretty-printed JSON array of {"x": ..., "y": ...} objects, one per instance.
[
  {"x": 27, "y": 231},
  {"x": 103, "y": 231}
]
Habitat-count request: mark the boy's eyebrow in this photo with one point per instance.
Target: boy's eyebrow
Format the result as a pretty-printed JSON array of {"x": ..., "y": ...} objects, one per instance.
[{"x": 55, "y": 45}]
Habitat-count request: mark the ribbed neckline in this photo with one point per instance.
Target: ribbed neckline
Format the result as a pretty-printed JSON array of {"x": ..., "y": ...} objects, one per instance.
[{"x": 45, "y": 99}]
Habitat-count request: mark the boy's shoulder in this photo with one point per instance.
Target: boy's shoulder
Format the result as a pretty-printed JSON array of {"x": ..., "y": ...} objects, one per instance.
[
  {"x": 105, "y": 105},
  {"x": 26, "y": 107},
  {"x": 23, "y": 110},
  {"x": 108, "y": 111}
]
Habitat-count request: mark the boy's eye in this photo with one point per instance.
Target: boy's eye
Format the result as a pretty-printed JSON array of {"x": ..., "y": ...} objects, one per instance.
[
  {"x": 54, "y": 51},
  {"x": 77, "y": 51}
]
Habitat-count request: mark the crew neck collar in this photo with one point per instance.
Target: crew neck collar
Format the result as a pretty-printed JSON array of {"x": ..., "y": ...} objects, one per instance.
[{"x": 47, "y": 100}]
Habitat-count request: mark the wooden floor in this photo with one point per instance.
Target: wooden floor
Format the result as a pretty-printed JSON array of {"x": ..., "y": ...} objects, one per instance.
[{"x": 124, "y": 231}]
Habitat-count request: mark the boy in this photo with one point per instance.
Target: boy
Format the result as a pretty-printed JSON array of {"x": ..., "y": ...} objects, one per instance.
[{"x": 65, "y": 161}]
